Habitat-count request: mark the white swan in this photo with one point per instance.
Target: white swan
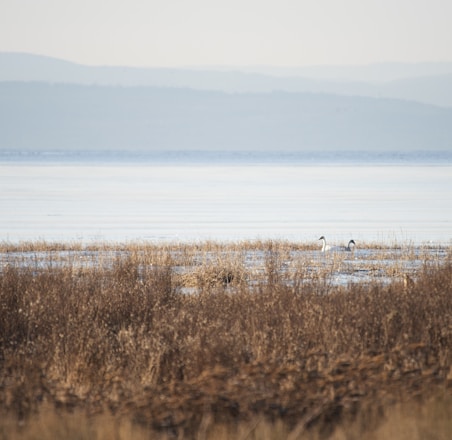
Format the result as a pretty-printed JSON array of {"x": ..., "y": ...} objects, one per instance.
[
  {"x": 328, "y": 248},
  {"x": 325, "y": 247}
]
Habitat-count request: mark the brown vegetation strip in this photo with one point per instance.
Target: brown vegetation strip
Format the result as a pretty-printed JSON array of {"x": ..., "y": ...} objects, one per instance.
[
  {"x": 295, "y": 392},
  {"x": 122, "y": 339}
]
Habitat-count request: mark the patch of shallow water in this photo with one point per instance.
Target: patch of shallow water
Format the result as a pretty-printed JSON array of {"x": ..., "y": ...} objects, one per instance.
[{"x": 360, "y": 266}]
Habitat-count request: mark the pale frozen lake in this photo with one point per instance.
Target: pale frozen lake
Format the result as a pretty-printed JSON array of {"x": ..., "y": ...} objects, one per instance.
[{"x": 178, "y": 202}]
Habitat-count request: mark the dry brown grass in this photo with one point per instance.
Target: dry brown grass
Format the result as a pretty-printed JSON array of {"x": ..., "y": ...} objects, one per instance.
[{"x": 244, "y": 340}]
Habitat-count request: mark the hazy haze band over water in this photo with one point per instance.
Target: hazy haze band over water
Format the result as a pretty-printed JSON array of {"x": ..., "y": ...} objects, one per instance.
[{"x": 224, "y": 202}]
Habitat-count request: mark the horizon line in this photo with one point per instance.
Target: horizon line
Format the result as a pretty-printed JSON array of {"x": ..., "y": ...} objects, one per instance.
[{"x": 229, "y": 66}]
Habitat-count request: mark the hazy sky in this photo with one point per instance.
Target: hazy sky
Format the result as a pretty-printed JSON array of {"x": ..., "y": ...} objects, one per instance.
[{"x": 229, "y": 32}]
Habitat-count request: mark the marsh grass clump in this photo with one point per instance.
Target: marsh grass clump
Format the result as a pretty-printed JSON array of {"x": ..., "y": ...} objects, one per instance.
[{"x": 264, "y": 340}]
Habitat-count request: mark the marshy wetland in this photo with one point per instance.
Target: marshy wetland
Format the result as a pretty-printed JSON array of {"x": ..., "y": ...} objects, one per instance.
[{"x": 209, "y": 340}]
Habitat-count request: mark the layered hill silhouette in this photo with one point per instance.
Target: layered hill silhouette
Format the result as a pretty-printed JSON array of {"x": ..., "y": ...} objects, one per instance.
[
  {"x": 49, "y": 104},
  {"x": 430, "y": 83}
]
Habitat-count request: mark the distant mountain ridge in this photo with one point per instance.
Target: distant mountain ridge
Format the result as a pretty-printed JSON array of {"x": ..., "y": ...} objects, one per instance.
[
  {"x": 429, "y": 83},
  {"x": 41, "y": 116}
]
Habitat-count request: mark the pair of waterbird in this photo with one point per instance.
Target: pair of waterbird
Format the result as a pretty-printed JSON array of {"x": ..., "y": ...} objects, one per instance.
[{"x": 328, "y": 248}]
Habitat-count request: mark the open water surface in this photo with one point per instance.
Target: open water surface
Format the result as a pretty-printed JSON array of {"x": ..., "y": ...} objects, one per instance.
[{"x": 190, "y": 198}]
